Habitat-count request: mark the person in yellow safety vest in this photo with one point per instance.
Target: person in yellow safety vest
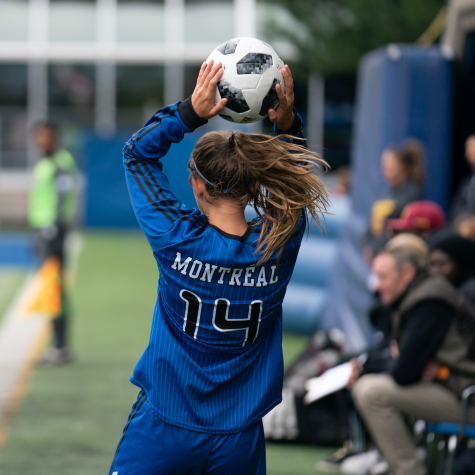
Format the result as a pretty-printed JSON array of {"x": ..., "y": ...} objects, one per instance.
[{"x": 52, "y": 208}]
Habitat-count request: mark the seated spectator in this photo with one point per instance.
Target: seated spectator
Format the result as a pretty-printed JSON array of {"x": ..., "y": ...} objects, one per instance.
[
  {"x": 380, "y": 314},
  {"x": 432, "y": 325},
  {"x": 422, "y": 218},
  {"x": 350, "y": 457},
  {"x": 454, "y": 258},
  {"x": 403, "y": 171},
  {"x": 410, "y": 242},
  {"x": 464, "y": 202}
]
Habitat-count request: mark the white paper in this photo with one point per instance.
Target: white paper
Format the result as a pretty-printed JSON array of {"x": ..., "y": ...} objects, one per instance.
[{"x": 329, "y": 382}]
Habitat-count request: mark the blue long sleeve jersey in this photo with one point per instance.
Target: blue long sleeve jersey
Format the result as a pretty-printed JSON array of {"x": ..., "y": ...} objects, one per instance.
[{"x": 214, "y": 360}]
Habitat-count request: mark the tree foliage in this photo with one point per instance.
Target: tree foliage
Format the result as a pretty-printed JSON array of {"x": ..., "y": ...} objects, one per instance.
[{"x": 332, "y": 35}]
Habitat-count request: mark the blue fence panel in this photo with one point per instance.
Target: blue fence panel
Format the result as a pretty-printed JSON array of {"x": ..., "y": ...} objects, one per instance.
[
  {"x": 107, "y": 198},
  {"x": 16, "y": 250},
  {"x": 108, "y": 202}
]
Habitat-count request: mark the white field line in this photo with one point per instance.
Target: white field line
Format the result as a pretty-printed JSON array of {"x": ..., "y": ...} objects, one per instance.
[{"x": 22, "y": 341}]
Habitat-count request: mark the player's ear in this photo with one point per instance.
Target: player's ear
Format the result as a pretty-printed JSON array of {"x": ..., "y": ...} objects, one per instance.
[{"x": 199, "y": 187}]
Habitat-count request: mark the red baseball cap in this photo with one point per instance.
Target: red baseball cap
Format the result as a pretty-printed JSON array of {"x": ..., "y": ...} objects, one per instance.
[{"x": 418, "y": 215}]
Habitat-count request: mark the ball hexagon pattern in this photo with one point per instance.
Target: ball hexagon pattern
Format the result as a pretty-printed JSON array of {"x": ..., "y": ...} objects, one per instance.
[{"x": 252, "y": 69}]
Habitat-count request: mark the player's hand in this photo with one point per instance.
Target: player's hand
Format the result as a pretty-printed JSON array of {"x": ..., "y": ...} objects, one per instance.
[
  {"x": 203, "y": 96},
  {"x": 283, "y": 115}
]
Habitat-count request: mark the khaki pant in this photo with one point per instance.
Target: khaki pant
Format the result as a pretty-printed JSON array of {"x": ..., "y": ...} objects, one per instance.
[{"x": 381, "y": 403}]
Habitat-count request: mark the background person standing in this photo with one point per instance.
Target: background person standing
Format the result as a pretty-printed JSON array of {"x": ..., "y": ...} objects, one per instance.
[{"x": 52, "y": 208}]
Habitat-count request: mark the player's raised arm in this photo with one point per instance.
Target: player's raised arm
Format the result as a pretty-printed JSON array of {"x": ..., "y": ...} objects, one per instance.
[
  {"x": 162, "y": 217},
  {"x": 285, "y": 118}
]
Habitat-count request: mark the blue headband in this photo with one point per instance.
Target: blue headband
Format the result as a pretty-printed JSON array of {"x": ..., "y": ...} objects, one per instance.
[{"x": 224, "y": 190}]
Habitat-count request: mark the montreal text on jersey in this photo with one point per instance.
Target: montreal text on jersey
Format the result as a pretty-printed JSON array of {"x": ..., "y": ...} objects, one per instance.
[{"x": 248, "y": 277}]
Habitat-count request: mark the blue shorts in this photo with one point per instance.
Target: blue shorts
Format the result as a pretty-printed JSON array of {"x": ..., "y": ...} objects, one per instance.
[{"x": 150, "y": 446}]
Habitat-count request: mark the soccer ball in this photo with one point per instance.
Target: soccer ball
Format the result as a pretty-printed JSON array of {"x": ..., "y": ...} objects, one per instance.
[{"x": 251, "y": 72}]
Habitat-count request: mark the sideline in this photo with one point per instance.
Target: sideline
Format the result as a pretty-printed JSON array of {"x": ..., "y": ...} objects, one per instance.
[{"x": 22, "y": 342}]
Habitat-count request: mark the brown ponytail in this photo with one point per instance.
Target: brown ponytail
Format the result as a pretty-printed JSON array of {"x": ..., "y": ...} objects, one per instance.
[
  {"x": 275, "y": 176},
  {"x": 411, "y": 155}
]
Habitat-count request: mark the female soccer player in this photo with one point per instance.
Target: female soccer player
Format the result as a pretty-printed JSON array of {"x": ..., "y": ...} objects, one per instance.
[{"x": 213, "y": 367}]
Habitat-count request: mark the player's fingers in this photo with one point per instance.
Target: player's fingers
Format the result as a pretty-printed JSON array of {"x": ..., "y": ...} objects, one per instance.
[
  {"x": 212, "y": 74},
  {"x": 281, "y": 95},
  {"x": 288, "y": 81},
  {"x": 218, "y": 107},
  {"x": 272, "y": 114},
  {"x": 200, "y": 74},
  {"x": 203, "y": 73},
  {"x": 207, "y": 71},
  {"x": 288, "y": 73},
  {"x": 215, "y": 78}
]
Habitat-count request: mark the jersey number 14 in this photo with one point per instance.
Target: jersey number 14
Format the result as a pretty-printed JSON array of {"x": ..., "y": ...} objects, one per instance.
[{"x": 220, "y": 317}]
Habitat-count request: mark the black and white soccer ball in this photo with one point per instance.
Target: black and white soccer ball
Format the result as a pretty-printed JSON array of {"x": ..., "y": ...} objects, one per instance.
[{"x": 252, "y": 69}]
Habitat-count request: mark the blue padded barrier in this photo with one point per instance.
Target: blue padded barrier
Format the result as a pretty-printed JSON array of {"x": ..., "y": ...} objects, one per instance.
[
  {"x": 302, "y": 305},
  {"x": 316, "y": 258},
  {"x": 333, "y": 222},
  {"x": 307, "y": 293}
]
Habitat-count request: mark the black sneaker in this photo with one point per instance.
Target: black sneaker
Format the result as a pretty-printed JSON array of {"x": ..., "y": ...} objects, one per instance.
[{"x": 332, "y": 463}]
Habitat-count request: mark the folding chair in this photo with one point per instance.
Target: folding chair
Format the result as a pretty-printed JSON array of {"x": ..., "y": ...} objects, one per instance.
[{"x": 444, "y": 437}]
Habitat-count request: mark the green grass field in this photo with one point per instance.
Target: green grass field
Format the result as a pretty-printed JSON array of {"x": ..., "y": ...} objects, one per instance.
[{"x": 73, "y": 416}]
